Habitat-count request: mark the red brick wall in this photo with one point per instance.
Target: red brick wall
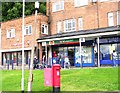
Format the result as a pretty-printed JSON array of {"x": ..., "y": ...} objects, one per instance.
[
  {"x": 9, "y": 43},
  {"x": 88, "y": 13}
]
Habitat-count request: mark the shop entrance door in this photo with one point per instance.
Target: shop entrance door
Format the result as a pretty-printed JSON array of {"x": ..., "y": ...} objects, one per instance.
[{"x": 71, "y": 55}]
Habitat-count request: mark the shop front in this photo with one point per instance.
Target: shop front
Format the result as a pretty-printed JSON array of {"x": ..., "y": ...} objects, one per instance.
[
  {"x": 108, "y": 46},
  {"x": 13, "y": 60},
  {"x": 70, "y": 48}
]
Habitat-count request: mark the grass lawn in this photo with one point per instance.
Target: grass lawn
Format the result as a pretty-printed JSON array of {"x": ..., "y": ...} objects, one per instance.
[{"x": 86, "y": 79}]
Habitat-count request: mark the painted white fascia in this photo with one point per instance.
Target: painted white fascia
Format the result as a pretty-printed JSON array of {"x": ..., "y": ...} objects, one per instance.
[{"x": 81, "y": 36}]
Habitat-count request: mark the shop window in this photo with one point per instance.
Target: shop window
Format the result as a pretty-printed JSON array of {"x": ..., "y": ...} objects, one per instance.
[
  {"x": 110, "y": 19},
  {"x": 78, "y": 3},
  {"x": 11, "y": 33},
  {"x": 57, "y": 6},
  {"x": 86, "y": 54},
  {"x": 69, "y": 25},
  {"x": 28, "y": 30},
  {"x": 44, "y": 29}
]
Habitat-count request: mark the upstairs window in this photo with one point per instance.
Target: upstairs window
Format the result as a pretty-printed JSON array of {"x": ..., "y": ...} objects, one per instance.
[
  {"x": 69, "y": 25},
  {"x": 118, "y": 17},
  {"x": 58, "y": 6},
  {"x": 78, "y": 3},
  {"x": 110, "y": 19},
  {"x": 11, "y": 33},
  {"x": 80, "y": 23},
  {"x": 44, "y": 29},
  {"x": 59, "y": 27},
  {"x": 103, "y": 0},
  {"x": 28, "y": 30}
]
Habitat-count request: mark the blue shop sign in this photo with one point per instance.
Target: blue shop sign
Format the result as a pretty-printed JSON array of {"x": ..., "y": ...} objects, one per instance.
[{"x": 109, "y": 40}]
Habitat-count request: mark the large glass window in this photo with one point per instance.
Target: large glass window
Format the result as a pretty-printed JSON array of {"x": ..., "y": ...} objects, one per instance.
[
  {"x": 86, "y": 54},
  {"x": 106, "y": 51}
]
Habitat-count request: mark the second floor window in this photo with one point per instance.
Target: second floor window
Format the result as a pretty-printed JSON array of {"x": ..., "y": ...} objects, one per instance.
[
  {"x": 44, "y": 29},
  {"x": 69, "y": 25},
  {"x": 78, "y": 3},
  {"x": 28, "y": 30},
  {"x": 57, "y": 6},
  {"x": 110, "y": 19},
  {"x": 11, "y": 33}
]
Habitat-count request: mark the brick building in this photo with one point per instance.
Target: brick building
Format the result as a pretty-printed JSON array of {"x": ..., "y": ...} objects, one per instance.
[
  {"x": 79, "y": 28},
  {"x": 85, "y": 31},
  {"x": 11, "y": 40}
]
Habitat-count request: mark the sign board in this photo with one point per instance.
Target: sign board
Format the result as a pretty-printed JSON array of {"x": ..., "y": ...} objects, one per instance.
[
  {"x": 81, "y": 39},
  {"x": 43, "y": 43},
  {"x": 48, "y": 80}
]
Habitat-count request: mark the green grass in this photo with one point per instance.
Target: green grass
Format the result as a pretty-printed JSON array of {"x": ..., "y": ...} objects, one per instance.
[{"x": 86, "y": 79}]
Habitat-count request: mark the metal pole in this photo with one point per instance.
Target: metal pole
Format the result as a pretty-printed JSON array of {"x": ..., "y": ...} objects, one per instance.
[
  {"x": 23, "y": 48},
  {"x": 98, "y": 51},
  {"x": 80, "y": 53}
]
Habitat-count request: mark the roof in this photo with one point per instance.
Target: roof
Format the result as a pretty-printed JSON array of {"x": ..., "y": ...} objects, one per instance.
[{"x": 81, "y": 32}]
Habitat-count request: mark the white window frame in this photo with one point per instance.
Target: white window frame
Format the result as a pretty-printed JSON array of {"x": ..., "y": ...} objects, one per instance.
[
  {"x": 60, "y": 4},
  {"x": 80, "y": 23},
  {"x": 78, "y": 3},
  {"x": 110, "y": 19},
  {"x": 104, "y": 0},
  {"x": 70, "y": 22},
  {"x": 11, "y": 33},
  {"x": 29, "y": 31},
  {"x": 118, "y": 17},
  {"x": 59, "y": 27},
  {"x": 45, "y": 26}
]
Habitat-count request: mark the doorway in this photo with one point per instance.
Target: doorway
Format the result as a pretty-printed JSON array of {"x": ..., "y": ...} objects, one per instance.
[{"x": 71, "y": 55}]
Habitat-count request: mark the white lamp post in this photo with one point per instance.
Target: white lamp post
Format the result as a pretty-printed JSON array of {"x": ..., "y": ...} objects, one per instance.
[{"x": 22, "y": 81}]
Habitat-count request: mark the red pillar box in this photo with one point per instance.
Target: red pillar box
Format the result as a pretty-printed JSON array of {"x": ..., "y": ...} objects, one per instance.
[
  {"x": 52, "y": 77},
  {"x": 56, "y": 77},
  {"x": 48, "y": 77}
]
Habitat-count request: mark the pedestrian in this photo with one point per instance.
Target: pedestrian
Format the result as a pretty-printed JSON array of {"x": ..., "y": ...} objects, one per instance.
[
  {"x": 35, "y": 63},
  {"x": 66, "y": 63},
  {"x": 114, "y": 58},
  {"x": 96, "y": 57}
]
